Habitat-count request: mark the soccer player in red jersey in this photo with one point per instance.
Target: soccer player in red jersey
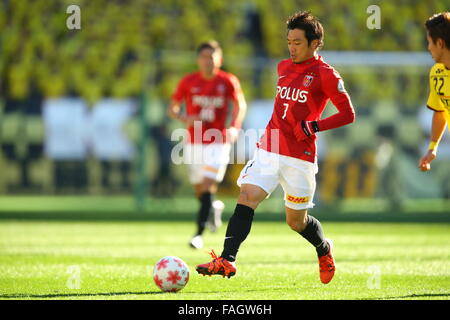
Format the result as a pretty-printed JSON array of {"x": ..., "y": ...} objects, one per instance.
[
  {"x": 207, "y": 94},
  {"x": 286, "y": 153}
]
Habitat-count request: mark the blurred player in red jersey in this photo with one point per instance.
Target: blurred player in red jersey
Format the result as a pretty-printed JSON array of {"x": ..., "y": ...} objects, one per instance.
[
  {"x": 207, "y": 94},
  {"x": 286, "y": 153}
]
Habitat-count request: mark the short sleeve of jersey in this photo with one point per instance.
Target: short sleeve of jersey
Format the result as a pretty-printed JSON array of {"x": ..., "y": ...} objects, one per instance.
[
  {"x": 234, "y": 87},
  {"x": 333, "y": 86},
  {"x": 433, "y": 99},
  {"x": 180, "y": 91}
]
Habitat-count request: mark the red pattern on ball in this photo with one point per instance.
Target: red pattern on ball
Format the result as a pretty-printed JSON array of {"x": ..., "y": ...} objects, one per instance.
[
  {"x": 162, "y": 264},
  {"x": 173, "y": 277},
  {"x": 158, "y": 281}
]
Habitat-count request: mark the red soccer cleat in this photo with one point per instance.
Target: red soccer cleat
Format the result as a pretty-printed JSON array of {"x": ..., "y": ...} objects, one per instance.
[
  {"x": 218, "y": 265},
  {"x": 326, "y": 265}
]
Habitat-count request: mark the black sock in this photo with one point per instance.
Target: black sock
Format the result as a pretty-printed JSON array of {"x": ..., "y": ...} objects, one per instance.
[
  {"x": 314, "y": 234},
  {"x": 203, "y": 213},
  {"x": 237, "y": 231}
]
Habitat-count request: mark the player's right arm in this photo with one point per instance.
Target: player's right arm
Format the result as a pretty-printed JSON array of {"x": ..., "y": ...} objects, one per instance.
[
  {"x": 174, "y": 112},
  {"x": 174, "y": 108}
]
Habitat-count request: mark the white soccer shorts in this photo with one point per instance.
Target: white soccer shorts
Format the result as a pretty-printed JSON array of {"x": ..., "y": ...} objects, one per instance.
[
  {"x": 297, "y": 177},
  {"x": 206, "y": 160}
]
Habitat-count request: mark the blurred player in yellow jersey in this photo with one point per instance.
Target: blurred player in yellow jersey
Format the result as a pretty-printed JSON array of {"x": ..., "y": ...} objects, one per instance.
[{"x": 438, "y": 36}]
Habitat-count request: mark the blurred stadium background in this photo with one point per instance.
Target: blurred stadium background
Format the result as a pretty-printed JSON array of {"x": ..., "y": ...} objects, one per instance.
[{"x": 82, "y": 112}]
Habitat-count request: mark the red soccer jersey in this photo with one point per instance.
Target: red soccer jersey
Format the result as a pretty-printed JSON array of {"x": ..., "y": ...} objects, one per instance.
[
  {"x": 208, "y": 99},
  {"x": 303, "y": 91}
]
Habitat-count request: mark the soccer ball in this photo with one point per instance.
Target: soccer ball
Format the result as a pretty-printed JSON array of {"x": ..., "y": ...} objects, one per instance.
[{"x": 171, "y": 274}]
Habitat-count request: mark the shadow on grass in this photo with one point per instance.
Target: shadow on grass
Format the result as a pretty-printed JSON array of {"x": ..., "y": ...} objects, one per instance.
[
  {"x": 424, "y": 295},
  {"x": 164, "y": 215},
  {"x": 80, "y": 295},
  {"x": 69, "y": 295}
]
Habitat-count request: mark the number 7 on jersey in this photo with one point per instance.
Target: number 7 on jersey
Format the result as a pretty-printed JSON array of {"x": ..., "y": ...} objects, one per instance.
[{"x": 286, "y": 107}]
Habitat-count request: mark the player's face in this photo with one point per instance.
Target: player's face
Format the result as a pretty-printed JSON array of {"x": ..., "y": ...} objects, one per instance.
[
  {"x": 299, "y": 49},
  {"x": 435, "y": 49},
  {"x": 209, "y": 60}
]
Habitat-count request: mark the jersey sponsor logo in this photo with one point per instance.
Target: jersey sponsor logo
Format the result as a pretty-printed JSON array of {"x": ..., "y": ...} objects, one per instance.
[
  {"x": 307, "y": 80},
  {"x": 293, "y": 94},
  {"x": 446, "y": 103},
  {"x": 295, "y": 199},
  {"x": 208, "y": 101}
]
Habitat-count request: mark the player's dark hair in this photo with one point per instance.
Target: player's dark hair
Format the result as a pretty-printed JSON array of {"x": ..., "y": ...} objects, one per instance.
[
  {"x": 305, "y": 21},
  {"x": 438, "y": 27},
  {"x": 212, "y": 44}
]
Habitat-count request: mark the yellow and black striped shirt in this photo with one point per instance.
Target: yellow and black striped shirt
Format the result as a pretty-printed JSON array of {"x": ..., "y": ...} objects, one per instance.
[{"x": 439, "y": 99}]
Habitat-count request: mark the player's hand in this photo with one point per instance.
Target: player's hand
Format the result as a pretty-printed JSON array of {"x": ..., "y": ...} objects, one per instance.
[
  {"x": 232, "y": 134},
  {"x": 425, "y": 161},
  {"x": 305, "y": 129}
]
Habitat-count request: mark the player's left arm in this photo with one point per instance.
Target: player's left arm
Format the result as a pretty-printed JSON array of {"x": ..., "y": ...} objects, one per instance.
[
  {"x": 438, "y": 125},
  {"x": 333, "y": 87},
  {"x": 238, "y": 111}
]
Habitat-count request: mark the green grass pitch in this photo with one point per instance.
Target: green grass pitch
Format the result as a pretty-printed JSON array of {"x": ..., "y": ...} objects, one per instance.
[{"x": 114, "y": 260}]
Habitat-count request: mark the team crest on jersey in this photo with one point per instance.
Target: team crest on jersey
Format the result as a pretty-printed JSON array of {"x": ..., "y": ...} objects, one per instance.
[
  {"x": 221, "y": 88},
  {"x": 307, "y": 80}
]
